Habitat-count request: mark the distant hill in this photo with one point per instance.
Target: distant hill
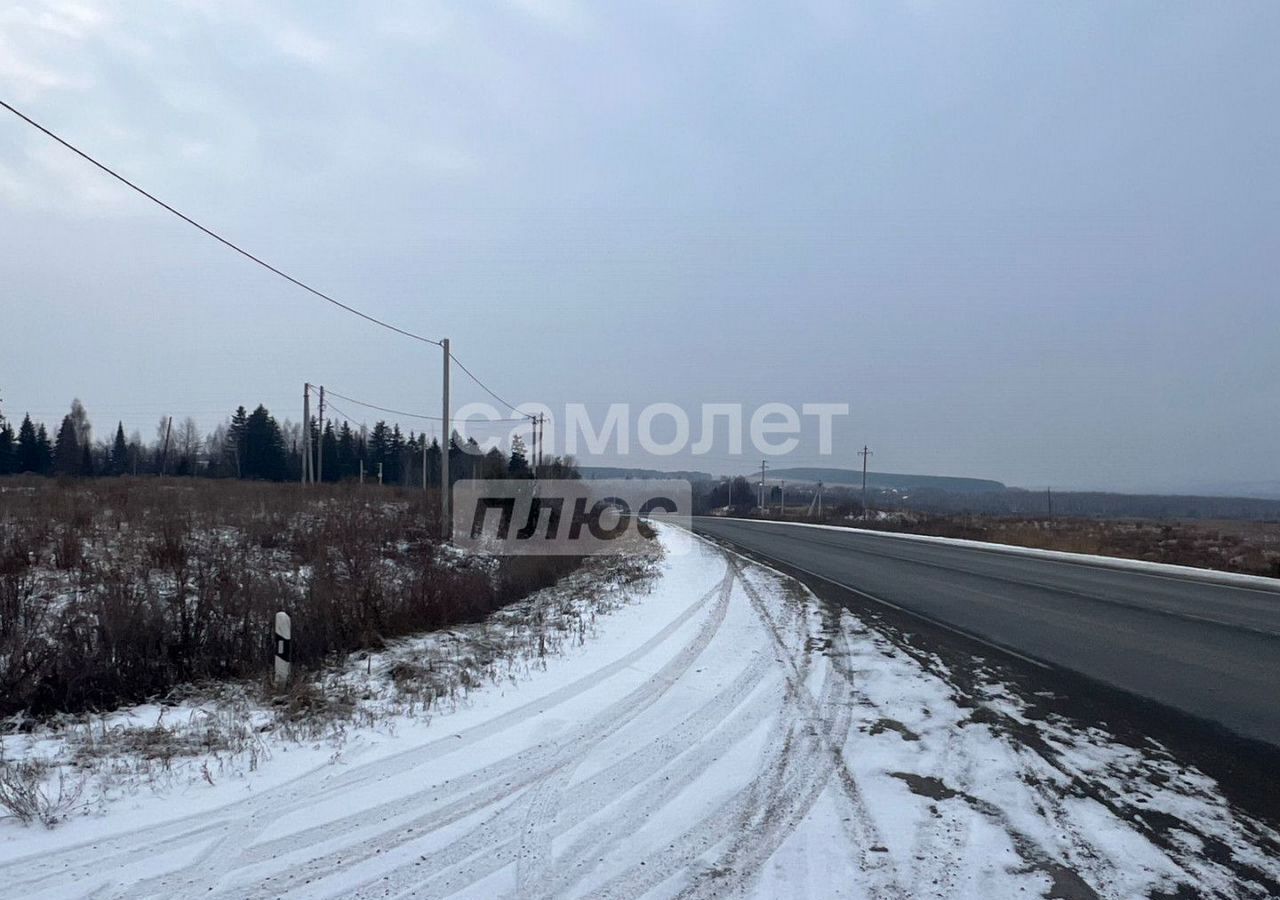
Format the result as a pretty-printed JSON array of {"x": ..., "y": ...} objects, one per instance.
[
  {"x": 615, "y": 472},
  {"x": 889, "y": 481}
]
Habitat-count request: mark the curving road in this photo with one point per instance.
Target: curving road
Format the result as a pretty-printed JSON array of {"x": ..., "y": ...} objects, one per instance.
[{"x": 1205, "y": 648}]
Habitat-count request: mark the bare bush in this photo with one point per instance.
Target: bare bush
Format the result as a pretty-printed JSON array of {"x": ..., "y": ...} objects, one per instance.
[
  {"x": 26, "y": 796},
  {"x": 118, "y": 590}
]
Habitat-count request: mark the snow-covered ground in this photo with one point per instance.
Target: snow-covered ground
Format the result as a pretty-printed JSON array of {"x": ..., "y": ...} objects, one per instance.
[{"x": 725, "y": 735}]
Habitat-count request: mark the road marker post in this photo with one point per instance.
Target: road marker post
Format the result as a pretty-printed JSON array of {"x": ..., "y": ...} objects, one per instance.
[{"x": 284, "y": 648}]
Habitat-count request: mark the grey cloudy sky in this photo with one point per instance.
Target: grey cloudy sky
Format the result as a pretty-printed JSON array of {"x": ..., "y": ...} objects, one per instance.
[{"x": 1030, "y": 241}]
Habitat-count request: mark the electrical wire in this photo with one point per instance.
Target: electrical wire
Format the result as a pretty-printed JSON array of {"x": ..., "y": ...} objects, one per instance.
[
  {"x": 486, "y": 388},
  {"x": 213, "y": 234},
  {"x": 399, "y": 412}
]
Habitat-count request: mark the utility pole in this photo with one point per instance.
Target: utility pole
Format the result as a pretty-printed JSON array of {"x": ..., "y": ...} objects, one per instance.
[
  {"x": 729, "y": 506},
  {"x": 864, "y": 453},
  {"x": 763, "y": 464},
  {"x": 542, "y": 421},
  {"x": 306, "y": 433},
  {"x": 782, "y": 501},
  {"x": 424, "y": 460},
  {"x": 534, "y": 422},
  {"x": 1048, "y": 493},
  {"x": 320, "y": 449},
  {"x": 446, "y": 511},
  {"x": 164, "y": 454}
]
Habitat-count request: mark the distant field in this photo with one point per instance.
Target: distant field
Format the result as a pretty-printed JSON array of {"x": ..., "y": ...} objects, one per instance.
[{"x": 1229, "y": 546}]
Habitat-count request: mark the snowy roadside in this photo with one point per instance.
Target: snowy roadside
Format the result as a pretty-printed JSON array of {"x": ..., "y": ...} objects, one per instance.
[
  {"x": 729, "y": 735},
  {"x": 209, "y": 745}
]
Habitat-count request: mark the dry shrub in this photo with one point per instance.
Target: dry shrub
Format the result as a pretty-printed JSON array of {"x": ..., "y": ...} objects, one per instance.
[
  {"x": 118, "y": 590},
  {"x": 25, "y": 796}
]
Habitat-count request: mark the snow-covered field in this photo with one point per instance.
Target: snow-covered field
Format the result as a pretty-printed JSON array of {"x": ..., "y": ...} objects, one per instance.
[{"x": 725, "y": 735}]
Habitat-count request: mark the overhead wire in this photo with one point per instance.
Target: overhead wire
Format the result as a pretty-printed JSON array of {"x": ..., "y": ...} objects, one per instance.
[{"x": 213, "y": 234}]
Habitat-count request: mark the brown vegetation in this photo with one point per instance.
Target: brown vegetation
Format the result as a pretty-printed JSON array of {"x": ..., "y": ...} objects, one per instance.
[
  {"x": 1247, "y": 547},
  {"x": 118, "y": 590}
]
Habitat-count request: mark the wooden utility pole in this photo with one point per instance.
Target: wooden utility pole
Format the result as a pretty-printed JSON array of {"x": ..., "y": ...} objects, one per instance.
[
  {"x": 864, "y": 453},
  {"x": 164, "y": 453},
  {"x": 306, "y": 434},
  {"x": 446, "y": 510},
  {"x": 320, "y": 449}
]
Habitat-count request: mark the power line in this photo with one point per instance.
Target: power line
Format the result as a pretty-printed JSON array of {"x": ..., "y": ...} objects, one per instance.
[
  {"x": 399, "y": 412},
  {"x": 486, "y": 388},
  {"x": 213, "y": 234}
]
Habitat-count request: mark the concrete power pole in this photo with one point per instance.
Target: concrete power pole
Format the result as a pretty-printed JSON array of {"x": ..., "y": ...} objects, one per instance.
[
  {"x": 864, "y": 453},
  {"x": 446, "y": 510},
  {"x": 320, "y": 449},
  {"x": 306, "y": 433},
  {"x": 782, "y": 501},
  {"x": 763, "y": 464}
]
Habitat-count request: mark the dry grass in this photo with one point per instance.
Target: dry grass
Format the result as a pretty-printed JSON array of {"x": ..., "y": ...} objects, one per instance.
[
  {"x": 1247, "y": 547},
  {"x": 119, "y": 590}
]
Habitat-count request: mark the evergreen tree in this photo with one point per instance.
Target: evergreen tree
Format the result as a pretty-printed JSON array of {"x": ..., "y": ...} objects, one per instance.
[
  {"x": 395, "y": 458},
  {"x": 8, "y": 448},
  {"x": 518, "y": 467},
  {"x": 379, "y": 451},
  {"x": 348, "y": 464},
  {"x": 495, "y": 464},
  {"x": 44, "y": 451},
  {"x": 66, "y": 453},
  {"x": 235, "y": 444},
  {"x": 262, "y": 455},
  {"x": 28, "y": 447},
  {"x": 119, "y": 452},
  {"x": 329, "y": 451},
  {"x": 433, "y": 462}
]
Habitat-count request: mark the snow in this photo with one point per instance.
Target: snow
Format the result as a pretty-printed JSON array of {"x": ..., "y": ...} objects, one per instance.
[{"x": 724, "y": 735}]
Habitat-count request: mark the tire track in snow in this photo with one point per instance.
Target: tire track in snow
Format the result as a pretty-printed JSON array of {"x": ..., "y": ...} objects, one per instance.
[
  {"x": 242, "y": 821},
  {"x": 793, "y": 770},
  {"x": 807, "y": 770},
  {"x": 546, "y": 761}
]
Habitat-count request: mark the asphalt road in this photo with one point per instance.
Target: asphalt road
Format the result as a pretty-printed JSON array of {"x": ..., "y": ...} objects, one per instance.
[{"x": 1206, "y": 649}]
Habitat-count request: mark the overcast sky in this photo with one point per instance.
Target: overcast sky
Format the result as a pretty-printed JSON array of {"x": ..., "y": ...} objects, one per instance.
[{"x": 1037, "y": 242}]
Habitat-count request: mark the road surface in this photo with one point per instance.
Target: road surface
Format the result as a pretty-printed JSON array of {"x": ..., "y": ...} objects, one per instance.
[{"x": 1207, "y": 649}]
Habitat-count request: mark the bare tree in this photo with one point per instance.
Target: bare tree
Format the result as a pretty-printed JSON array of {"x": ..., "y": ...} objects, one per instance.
[
  {"x": 187, "y": 442},
  {"x": 80, "y": 419}
]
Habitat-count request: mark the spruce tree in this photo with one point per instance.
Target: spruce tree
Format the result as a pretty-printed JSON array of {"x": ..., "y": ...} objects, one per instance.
[
  {"x": 28, "y": 447},
  {"x": 8, "y": 449},
  {"x": 119, "y": 452},
  {"x": 519, "y": 465},
  {"x": 44, "y": 451},
  {"x": 235, "y": 445},
  {"x": 66, "y": 453},
  {"x": 348, "y": 463},
  {"x": 329, "y": 453},
  {"x": 263, "y": 454}
]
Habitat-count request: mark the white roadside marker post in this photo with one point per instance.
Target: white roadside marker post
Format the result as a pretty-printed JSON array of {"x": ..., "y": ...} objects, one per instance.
[{"x": 284, "y": 649}]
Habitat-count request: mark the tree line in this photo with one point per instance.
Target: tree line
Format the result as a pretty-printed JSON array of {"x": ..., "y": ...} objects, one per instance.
[{"x": 255, "y": 446}]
